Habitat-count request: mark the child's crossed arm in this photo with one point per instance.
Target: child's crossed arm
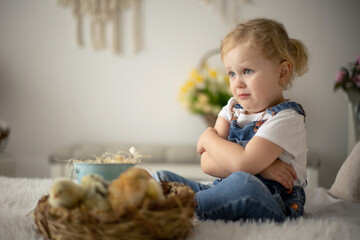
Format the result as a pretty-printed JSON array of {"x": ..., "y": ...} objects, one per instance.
[{"x": 220, "y": 157}]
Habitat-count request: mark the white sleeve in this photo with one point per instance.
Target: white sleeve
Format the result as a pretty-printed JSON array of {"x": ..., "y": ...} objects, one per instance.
[
  {"x": 286, "y": 129},
  {"x": 226, "y": 110}
]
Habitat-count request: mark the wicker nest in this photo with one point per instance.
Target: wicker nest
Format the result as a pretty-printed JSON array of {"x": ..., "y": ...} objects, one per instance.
[{"x": 171, "y": 219}]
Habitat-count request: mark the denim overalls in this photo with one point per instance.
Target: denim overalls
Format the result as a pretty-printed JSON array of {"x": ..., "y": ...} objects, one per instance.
[{"x": 242, "y": 195}]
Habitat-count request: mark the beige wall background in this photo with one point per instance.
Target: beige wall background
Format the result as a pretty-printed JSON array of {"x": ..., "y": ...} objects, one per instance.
[{"x": 53, "y": 93}]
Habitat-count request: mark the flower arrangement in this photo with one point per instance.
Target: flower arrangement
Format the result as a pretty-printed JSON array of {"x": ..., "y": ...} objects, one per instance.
[
  {"x": 349, "y": 78},
  {"x": 205, "y": 92},
  {"x": 4, "y": 135}
]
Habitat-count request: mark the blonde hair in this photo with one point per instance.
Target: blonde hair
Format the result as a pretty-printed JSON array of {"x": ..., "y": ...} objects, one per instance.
[{"x": 272, "y": 39}]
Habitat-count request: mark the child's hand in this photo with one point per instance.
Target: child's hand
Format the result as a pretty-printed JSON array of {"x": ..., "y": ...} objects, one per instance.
[
  {"x": 280, "y": 172},
  {"x": 205, "y": 136}
]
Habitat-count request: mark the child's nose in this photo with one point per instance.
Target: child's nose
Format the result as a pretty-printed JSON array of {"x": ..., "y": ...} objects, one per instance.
[{"x": 240, "y": 82}]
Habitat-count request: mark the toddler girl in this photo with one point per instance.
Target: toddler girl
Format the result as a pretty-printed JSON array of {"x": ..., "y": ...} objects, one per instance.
[{"x": 257, "y": 148}]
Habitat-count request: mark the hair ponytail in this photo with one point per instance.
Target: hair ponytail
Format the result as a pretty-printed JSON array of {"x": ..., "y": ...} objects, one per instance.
[{"x": 299, "y": 55}]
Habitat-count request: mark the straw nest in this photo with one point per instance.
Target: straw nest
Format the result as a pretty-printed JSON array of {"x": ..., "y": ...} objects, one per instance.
[{"x": 170, "y": 219}]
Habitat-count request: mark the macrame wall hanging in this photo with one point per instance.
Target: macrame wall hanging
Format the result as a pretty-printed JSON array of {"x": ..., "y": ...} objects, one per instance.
[
  {"x": 102, "y": 13},
  {"x": 227, "y": 9}
]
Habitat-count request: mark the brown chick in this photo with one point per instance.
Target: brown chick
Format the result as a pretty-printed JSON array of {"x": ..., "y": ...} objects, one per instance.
[
  {"x": 66, "y": 193},
  {"x": 133, "y": 187}
]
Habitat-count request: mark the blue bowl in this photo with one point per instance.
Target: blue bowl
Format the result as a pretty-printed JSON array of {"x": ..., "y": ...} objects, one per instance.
[{"x": 109, "y": 171}]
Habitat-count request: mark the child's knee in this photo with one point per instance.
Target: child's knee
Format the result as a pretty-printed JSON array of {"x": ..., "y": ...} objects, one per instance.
[
  {"x": 246, "y": 184},
  {"x": 161, "y": 175},
  {"x": 239, "y": 178}
]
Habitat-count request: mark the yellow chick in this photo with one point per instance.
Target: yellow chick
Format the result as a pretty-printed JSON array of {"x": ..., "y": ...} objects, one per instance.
[
  {"x": 96, "y": 192},
  {"x": 133, "y": 187},
  {"x": 154, "y": 191},
  {"x": 66, "y": 193}
]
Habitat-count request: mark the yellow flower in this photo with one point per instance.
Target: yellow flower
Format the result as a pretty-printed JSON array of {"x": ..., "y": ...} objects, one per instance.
[
  {"x": 212, "y": 73},
  {"x": 183, "y": 89},
  {"x": 195, "y": 75},
  {"x": 190, "y": 83}
]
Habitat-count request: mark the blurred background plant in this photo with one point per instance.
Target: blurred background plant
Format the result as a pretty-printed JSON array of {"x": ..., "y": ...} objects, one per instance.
[
  {"x": 349, "y": 78},
  {"x": 205, "y": 92},
  {"x": 4, "y": 135}
]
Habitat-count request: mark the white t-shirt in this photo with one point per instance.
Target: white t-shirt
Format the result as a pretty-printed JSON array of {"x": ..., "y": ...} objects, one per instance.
[{"x": 286, "y": 129}]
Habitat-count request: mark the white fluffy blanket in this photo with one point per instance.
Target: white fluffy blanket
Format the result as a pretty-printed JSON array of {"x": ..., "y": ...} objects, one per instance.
[{"x": 333, "y": 220}]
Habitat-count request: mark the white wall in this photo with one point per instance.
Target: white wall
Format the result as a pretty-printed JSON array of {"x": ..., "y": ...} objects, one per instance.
[{"x": 53, "y": 94}]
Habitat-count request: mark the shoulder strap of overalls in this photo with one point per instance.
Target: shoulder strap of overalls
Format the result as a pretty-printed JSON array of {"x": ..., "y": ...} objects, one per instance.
[
  {"x": 234, "y": 105},
  {"x": 286, "y": 105},
  {"x": 275, "y": 109}
]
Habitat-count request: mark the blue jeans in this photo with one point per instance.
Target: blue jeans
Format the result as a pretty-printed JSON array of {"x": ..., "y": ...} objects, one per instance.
[{"x": 241, "y": 196}]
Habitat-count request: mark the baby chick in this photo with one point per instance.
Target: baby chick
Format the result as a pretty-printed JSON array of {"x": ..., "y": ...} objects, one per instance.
[
  {"x": 66, "y": 193},
  {"x": 96, "y": 192},
  {"x": 154, "y": 190},
  {"x": 133, "y": 187}
]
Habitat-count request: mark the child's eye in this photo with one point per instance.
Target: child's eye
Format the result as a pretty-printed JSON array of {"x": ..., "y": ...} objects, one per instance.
[
  {"x": 231, "y": 74},
  {"x": 248, "y": 71}
]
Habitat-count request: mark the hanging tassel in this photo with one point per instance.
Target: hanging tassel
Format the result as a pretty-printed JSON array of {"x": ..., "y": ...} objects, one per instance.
[
  {"x": 101, "y": 12},
  {"x": 227, "y": 9},
  {"x": 78, "y": 18},
  {"x": 114, "y": 7},
  {"x": 137, "y": 30}
]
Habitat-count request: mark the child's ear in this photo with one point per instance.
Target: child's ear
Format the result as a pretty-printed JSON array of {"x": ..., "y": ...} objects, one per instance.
[{"x": 285, "y": 72}]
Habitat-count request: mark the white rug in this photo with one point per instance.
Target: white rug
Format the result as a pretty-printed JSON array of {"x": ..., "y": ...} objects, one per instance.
[
  {"x": 18, "y": 197},
  {"x": 309, "y": 229}
]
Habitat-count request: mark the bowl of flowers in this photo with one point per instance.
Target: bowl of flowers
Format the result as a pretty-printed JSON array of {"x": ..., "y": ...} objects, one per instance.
[{"x": 348, "y": 79}]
